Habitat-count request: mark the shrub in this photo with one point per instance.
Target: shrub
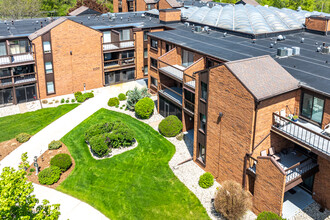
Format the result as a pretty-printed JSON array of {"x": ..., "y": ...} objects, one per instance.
[
  {"x": 121, "y": 135},
  {"x": 206, "y": 180},
  {"x": 50, "y": 103},
  {"x": 76, "y": 94},
  {"x": 170, "y": 126},
  {"x": 89, "y": 95},
  {"x": 98, "y": 145},
  {"x": 54, "y": 145},
  {"x": 113, "y": 101},
  {"x": 232, "y": 201},
  {"x": 127, "y": 92},
  {"x": 23, "y": 137},
  {"x": 62, "y": 101},
  {"x": 63, "y": 161},
  {"x": 180, "y": 136},
  {"x": 80, "y": 99},
  {"x": 44, "y": 101},
  {"x": 67, "y": 101},
  {"x": 57, "y": 101},
  {"x": 121, "y": 107},
  {"x": 144, "y": 108},
  {"x": 269, "y": 216},
  {"x": 49, "y": 175},
  {"x": 135, "y": 95},
  {"x": 73, "y": 100},
  {"x": 32, "y": 170},
  {"x": 122, "y": 97},
  {"x": 97, "y": 129}
]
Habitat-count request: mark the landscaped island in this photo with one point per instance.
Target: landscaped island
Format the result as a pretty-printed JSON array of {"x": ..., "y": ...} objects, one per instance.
[{"x": 137, "y": 184}]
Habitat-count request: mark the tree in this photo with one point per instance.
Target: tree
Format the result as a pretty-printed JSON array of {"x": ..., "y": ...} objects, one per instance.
[
  {"x": 16, "y": 201},
  {"x": 17, "y": 9}
]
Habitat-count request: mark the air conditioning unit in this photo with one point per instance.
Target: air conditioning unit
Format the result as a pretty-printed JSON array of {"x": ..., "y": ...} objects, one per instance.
[
  {"x": 326, "y": 50},
  {"x": 296, "y": 51},
  {"x": 290, "y": 51},
  {"x": 198, "y": 29},
  {"x": 282, "y": 52}
]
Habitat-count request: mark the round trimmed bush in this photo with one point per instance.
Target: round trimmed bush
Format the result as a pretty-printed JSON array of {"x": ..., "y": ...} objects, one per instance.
[
  {"x": 76, "y": 94},
  {"x": 54, "y": 145},
  {"x": 144, "y": 108},
  {"x": 23, "y": 137},
  {"x": 206, "y": 180},
  {"x": 98, "y": 145},
  {"x": 113, "y": 101},
  {"x": 63, "y": 161},
  {"x": 170, "y": 126},
  {"x": 269, "y": 216},
  {"x": 89, "y": 95},
  {"x": 49, "y": 175},
  {"x": 122, "y": 97}
]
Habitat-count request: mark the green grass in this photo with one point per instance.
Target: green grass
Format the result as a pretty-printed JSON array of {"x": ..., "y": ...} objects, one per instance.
[
  {"x": 31, "y": 122},
  {"x": 137, "y": 184}
]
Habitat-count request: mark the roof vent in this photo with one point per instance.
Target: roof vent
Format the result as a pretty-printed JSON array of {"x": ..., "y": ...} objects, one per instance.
[
  {"x": 207, "y": 29},
  {"x": 318, "y": 49},
  {"x": 143, "y": 15},
  {"x": 198, "y": 29},
  {"x": 225, "y": 34},
  {"x": 302, "y": 40},
  {"x": 271, "y": 45},
  {"x": 280, "y": 37},
  {"x": 186, "y": 24}
]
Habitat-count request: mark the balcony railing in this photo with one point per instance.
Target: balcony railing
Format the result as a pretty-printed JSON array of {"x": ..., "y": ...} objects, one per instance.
[
  {"x": 18, "y": 58},
  {"x": 174, "y": 71},
  {"x": 118, "y": 45},
  {"x": 119, "y": 62},
  {"x": 173, "y": 93},
  {"x": 17, "y": 79},
  {"x": 295, "y": 130},
  {"x": 296, "y": 171},
  {"x": 189, "y": 81},
  {"x": 189, "y": 106}
]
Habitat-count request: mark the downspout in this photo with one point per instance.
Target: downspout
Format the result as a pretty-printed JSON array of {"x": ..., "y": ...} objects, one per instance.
[
  {"x": 36, "y": 71},
  {"x": 247, "y": 155},
  {"x": 102, "y": 61}
]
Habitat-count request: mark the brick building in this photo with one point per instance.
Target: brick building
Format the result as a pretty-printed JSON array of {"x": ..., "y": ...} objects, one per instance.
[
  {"x": 233, "y": 85},
  {"x": 143, "y": 5}
]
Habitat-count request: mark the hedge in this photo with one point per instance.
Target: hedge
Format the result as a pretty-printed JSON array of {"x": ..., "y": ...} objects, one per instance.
[
  {"x": 170, "y": 126},
  {"x": 54, "y": 145},
  {"x": 23, "y": 137},
  {"x": 83, "y": 97},
  {"x": 63, "y": 161},
  {"x": 144, "y": 108},
  {"x": 49, "y": 175},
  {"x": 206, "y": 180},
  {"x": 113, "y": 101},
  {"x": 269, "y": 216}
]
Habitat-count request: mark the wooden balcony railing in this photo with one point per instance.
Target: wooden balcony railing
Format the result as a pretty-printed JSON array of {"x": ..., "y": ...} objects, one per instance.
[
  {"x": 173, "y": 71},
  {"x": 171, "y": 93},
  {"x": 301, "y": 134},
  {"x": 118, "y": 45},
  {"x": 296, "y": 171},
  {"x": 17, "y": 79},
  {"x": 16, "y": 58},
  {"x": 189, "y": 106},
  {"x": 119, "y": 62}
]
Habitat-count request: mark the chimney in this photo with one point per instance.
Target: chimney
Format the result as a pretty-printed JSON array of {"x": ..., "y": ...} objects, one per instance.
[
  {"x": 319, "y": 24},
  {"x": 169, "y": 15}
]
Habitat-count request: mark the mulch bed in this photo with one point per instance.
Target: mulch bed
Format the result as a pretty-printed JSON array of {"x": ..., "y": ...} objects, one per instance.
[
  {"x": 44, "y": 162},
  {"x": 7, "y": 147}
]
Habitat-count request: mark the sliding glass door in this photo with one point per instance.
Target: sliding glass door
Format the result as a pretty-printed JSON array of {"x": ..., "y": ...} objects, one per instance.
[{"x": 312, "y": 107}]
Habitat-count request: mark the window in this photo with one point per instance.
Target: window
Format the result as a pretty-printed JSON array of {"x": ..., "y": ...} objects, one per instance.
[
  {"x": 312, "y": 107},
  {"x": 26, "y": 93},
  {"x": 106, "y": 36},
  {"x": 153, "y": 62},
  {"x": 204, "y": 90},
  {"x": 125, "y": 34},
  {"x": 6, "y": 96},
  {"x": 49, "y": 67},
  {"x": 46, "y": 45},
  {"x": 145, "y": 53},
  {"x": 168, "y": 47},
  {"x": 127, "y": 54},
  {"x": 5, "y": 72},
  {"x": 50, "y": 87},
  {"x": 145, "y": 35},
  {"x": 202, "y": 118},
  {"x": 3, "y": 51},
  {"x": 154, "y": 44},
  {"x": 201, "y": 152},
  {"x": 187, "y": 58},
  {"x": 145, "y": 70},
  {"x": 17, "y": 70},
  {"x": 19, "y": 46},
  {"x": 154, "y": 81}
]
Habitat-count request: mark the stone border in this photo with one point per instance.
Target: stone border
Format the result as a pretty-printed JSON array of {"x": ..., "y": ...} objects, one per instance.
[{"x": 114, "y": 152}]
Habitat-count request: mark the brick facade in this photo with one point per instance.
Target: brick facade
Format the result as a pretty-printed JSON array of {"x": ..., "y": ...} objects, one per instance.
[
  {"x": 71, "y": 72},
  {"x": 170, "y": 15},
  {"x": 318, "y": 24},
  {"x": 321, "y": 187}
]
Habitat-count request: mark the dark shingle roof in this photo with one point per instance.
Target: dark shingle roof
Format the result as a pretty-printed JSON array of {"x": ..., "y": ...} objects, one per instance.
[
  {"x": 263, "y": 76},
  {"x": 47, "y": 28},
  {"x": 78, "y": 11}
]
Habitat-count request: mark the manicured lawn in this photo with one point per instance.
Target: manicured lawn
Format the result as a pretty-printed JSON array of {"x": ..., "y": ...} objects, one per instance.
[
  {"x": 137, "y": 184},
  {"x": 31, "y": 122}
]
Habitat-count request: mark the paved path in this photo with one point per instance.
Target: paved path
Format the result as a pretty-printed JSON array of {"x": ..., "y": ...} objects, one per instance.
[{"x": 38, "y": 144}]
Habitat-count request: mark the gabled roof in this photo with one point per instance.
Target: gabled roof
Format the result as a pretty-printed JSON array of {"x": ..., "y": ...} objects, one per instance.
[
  {"x": 174, "y": 3},
  {"x": 263, "y": 76},
  {"x": 78, "y": 11},
  {"x": 250, "y": 2},
  {"x": 47, "y": 28}
]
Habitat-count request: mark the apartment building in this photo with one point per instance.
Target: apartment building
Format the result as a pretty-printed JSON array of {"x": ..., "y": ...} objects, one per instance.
[
  {"x": 47, "y": 57},
  {"x": 143, "y": 5},
  {"x": 234, "y": 83},
  {"x": 237, "y": 94}
]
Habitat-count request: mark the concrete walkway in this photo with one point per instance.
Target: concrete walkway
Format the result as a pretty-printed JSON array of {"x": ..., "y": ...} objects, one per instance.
[{"x": 38, "y": 144}]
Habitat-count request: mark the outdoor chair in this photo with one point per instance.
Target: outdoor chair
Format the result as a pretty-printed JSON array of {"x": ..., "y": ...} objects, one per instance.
[
  {"x": 326, "y": 130},
  {"x": 272, "y": 153},
  {"x": 263, "y": 153}
]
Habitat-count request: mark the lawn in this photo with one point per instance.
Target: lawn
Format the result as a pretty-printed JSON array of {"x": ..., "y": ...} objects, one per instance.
[
  {"x": 137, "y": 184},
  {"x": 31, "y": 122}
]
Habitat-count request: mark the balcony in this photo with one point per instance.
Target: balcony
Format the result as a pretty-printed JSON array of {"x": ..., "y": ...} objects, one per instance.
[
  {"x": 302, "y": 133},
  {"x": 119, "y": 63},
  {"x": 173, "y": 93},
  {"x": 118, "y": 45},
  {"x": 10, "y": 81},
  {"x": 14, "y": 59}
]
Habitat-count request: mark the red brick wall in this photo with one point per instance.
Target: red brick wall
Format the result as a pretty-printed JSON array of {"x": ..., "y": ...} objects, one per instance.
[
  {"x": 139, "y": 55},
  {"x": 316, "y": 24},
  {"x": 72, "y": 71},
  {"x": 169, "y": 16},
  {"x": 163, "y": 4},
  {"x": 321, "y": 186},
  {"x": 268, "y": 187}
]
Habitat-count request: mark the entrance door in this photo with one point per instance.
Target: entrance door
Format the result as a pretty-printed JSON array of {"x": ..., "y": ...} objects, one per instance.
[
  {"x": 307, "y": 184},
  {"x": 166, "y": 109}
]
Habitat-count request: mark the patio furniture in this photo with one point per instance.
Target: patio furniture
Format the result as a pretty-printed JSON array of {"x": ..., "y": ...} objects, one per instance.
[
  {"x": 272, "y": 153},
  {"x": 263, "y": 153},
  {"x": 326, "y": 130}
]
